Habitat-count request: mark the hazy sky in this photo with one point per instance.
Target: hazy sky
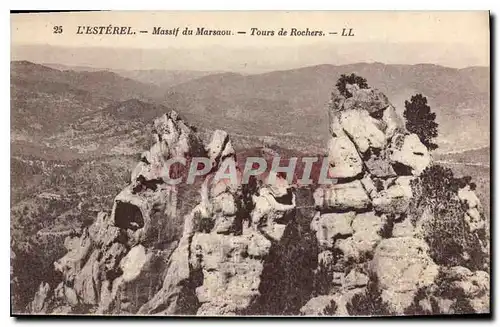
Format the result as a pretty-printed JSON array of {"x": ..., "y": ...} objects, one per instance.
[{"x": 455, "y": 39}]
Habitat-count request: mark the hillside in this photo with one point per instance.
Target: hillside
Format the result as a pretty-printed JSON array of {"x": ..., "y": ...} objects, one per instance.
[
  {"x": 284, "y": 107},
  {"x": 474, "y": 157},
  {"x": 100, "y": 83},
  {"x": 158, "y": 77},
  {"x": 293, "y": 101},
  {"x": 475, "y": 163}
]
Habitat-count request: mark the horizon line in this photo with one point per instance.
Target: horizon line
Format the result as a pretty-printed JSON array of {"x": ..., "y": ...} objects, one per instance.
[{"x": 100, "y": 68}]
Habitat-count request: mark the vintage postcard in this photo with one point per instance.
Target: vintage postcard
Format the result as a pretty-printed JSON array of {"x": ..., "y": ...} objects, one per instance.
[{"x": 265, "y": 163}]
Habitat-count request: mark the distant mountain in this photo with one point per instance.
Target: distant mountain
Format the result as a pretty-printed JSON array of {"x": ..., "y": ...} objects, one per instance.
[
  {"x": 294, "y": 101},
  {"x": 163, "y": 78},
  {"x": 99, "y": 83},
  {"x": 159, "y": 77},
  {"x": 286, "y": 108}
]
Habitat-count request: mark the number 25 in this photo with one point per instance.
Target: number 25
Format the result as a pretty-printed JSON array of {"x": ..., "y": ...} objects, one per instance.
[{"x": 58, "y": 29}]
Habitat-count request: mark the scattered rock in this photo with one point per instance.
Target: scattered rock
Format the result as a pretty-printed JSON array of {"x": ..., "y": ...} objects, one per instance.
[{"x": 355, "y": 279}]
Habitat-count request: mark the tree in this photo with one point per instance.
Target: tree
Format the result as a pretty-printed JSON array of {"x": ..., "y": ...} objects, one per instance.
[
  {"x": 420, "y": 120},
  {"x": 350, "y": 79}
]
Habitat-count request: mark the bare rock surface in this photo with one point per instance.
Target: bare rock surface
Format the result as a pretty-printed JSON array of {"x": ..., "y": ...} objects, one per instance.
[{"x": 402, "y": 266}]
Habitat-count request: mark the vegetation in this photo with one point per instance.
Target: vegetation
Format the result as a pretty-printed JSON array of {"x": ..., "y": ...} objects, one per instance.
[
  {"x": 368, "y": 303},
  {"x": 50, "y": 199},
  {"x": 350, "y": 79},
  {"x": 449, "y": 237},
  {"x": 421, "y": 121}
]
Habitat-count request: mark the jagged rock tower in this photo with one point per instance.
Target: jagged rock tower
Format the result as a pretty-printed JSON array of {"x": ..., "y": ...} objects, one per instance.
[
  {"x": 367, "y": 244},
  {"x": 218, "y": 266},
  {"x": 126, "y": 263},
  {"x": 117, "y": 263}
]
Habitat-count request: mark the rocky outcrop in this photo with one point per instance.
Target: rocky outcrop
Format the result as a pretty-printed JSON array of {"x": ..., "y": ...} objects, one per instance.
[
  {"x": 116, "y": 264},
  {"x": 227, "y": 241},
  {"x": 241, "y": 250},
  {"x": 372, "y": 258}
]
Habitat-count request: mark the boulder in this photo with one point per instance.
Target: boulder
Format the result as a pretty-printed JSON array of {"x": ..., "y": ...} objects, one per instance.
[
  {"x": 343, "y": 158},
  {"x": 359, "y": 246},
  {"x": 355, "y": 279},
  {"x": 343, "y": 197},
  {"x": 378, "y": 165},
  {"x": 407, "y": 150},
  {"x": 331, "y": 226},
  {"x": 270, "y": 215},
  {"x": 88, "y": 281},
  {"x": 468, "y": 196},
  {"x": 367, "y": 232},
  {"x": 231, "y": 278},
  {"x": 227, "y": 224},
  {"x": 369, "y": 185},
  {"x": 323, "y": 305},
  {"x": 402, "y": 266},
  {"x": 403, "y": 229},
  {"x": 393, "y": 122},
  {"x": 473, "y": 284},
  {"x": 395, "y": 198},
  {"x": 364, "y": 130}
]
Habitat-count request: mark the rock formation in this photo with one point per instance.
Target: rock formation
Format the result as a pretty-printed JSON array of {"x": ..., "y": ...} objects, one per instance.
[
  {"x": 366, "y": 242},
  {"x": 226, "y": 242},
  {"x": 236, "y": 251},
  {"x": 116, "y": 265}
]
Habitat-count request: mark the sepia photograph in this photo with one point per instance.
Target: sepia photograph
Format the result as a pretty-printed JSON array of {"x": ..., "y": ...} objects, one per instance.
[{"x": 250, "y": 163}]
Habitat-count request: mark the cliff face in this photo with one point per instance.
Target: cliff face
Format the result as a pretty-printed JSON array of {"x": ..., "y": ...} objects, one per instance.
[
  {"x": 371, "y": 248},
  {"x": 243, "y": 248}
]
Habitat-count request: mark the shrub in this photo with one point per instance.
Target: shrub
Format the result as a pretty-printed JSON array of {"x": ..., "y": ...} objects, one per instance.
[
  {"x": 350, "y": 79},
  {"x": 369, "y": 303},
  {"x": 449, "y": 237}
]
